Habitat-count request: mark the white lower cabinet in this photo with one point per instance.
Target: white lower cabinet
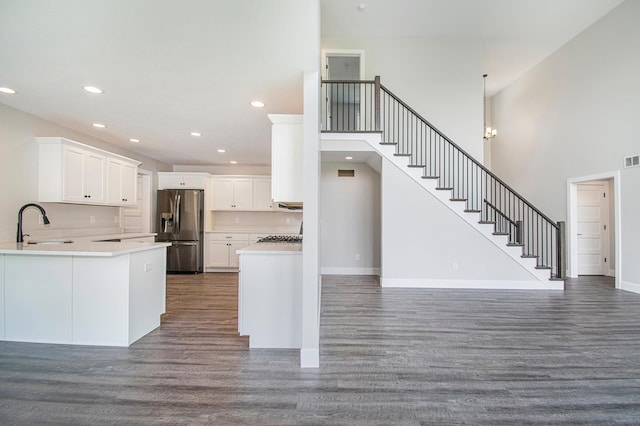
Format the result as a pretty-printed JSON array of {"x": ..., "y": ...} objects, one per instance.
[{"x": 221, "y": 249}]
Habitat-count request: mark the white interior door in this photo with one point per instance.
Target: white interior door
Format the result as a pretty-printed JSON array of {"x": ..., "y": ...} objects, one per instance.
[
  {"x": 592, "y": 221},
  {"x": 341, "y": 104}
]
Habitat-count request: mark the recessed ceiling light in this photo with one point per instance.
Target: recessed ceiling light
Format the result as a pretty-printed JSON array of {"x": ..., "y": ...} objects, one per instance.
[
  {"x": 134, "y": 140},
  {"x": 195, "y": 134},
  {"x": 257, "y": 104},
  {"x": 222, "y": 151},
  {"x": 233, "y": 162},
  {"x": 99, "y": 125},
  {"x": 7, "y": 90},
  {"x": 93, "y": 89},
  {"x": 348, "y": 158}
]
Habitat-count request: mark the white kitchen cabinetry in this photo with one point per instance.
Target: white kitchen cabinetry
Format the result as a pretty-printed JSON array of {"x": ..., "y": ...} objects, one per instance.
[
  {"x": 262, "y": 194},
  {"x": 121, "y": 182},
  {"x": 175, "y": 180},
  {"x": 71, "y": 172},
  {"x": 221, "y": 249},
  {"x": 286, "y": 157},
  {"x": 232, "y": 193},
  {"x": 83, "y": 172}
]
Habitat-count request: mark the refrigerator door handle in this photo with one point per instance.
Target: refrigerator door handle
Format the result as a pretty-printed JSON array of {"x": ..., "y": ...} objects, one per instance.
[
  {"x": 184, "y": 243},
  {"x": 178, "y": 201}
]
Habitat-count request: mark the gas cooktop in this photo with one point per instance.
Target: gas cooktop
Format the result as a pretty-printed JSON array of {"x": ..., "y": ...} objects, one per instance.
[{"x": 281, "y": 239}]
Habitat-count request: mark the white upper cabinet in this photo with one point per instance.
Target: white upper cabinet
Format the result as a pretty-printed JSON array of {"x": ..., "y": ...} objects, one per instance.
[
  {"x": 71, "y": 172},
  {"x": 121, "y": 182},
  {"x": 232, "y": 193},
  {"x": 286, "y": 157},
  {"x": 262, "y": 194},
  {"x": 186, "y": 180}
]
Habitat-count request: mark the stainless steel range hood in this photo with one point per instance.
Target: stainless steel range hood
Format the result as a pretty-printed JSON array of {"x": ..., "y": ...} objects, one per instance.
[{"x": 290, "y": 205}]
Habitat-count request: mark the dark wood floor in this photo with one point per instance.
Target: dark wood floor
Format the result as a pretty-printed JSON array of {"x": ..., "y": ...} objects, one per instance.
[{"x": 389, "y": 356}]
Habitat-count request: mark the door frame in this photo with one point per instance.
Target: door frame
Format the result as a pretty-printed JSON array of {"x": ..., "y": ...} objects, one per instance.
[
  {"x": 572, "y": 222},
  {"x": 359, "y": 53}
]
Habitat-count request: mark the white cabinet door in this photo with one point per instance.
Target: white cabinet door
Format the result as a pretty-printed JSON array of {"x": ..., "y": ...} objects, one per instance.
[
  {"x": 169, "y": 181},
  {"x": 243, "y": 194},
  {"x": 114, "y": 181},
  {"x": 218, "y": 254},
  {"x": 129, "y": 184},
  {"x": 94, "y": 177},
  {"x": 262, "y": 194},
  {"x": 72, "y": 188},
  {"x": 222, "y": 197},
  {"x": 193, "y": 181}
]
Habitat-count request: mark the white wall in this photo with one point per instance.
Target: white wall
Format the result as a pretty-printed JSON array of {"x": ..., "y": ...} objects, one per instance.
[
  {"x": 19, "y": 183},
  {"x": 226, "y": 169},
  {"x": 577, "y": 114},
  {"x": 349, "y": 220},
  {"x": 422, "y": 239},
  {"x": 440, "y": 78}
]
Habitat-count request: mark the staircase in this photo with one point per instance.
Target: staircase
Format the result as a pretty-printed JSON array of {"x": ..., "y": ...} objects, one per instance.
[{"x": 442, "y": 168}]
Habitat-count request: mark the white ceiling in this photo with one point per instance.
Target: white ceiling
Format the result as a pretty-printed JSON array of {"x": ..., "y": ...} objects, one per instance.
[{"x": 169, "y": 68}]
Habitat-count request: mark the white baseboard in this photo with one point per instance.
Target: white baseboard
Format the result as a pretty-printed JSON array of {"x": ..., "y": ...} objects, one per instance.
[
  {"x": 632, "y": 287},
  {"x": 349, "y": 271},
  {"x": 471, "y": 284},
  {"x": 309, "y": 358}
]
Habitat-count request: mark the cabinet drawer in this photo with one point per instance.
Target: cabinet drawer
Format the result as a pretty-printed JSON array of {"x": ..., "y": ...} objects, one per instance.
[{"x": 228, "y": 237}]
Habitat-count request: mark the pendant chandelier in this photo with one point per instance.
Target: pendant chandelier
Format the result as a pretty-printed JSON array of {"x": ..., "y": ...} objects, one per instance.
[{"x": 489, "y": 133}]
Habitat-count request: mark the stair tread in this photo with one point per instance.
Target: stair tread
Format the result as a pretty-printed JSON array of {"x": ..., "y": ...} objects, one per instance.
[
  {"x": 556, "y": 278},
  {"x": 402, "y": 155},
  {"x": 416, "y": 165},
  {"x": 430, "y": 177},
  {"x": 388, "y": 143},
  {"x": 529, "y": 256},
  {"x": 515, "y": 245},
  {"x": 542, "y": 267},
  {"x": 500, "y": 233},
  {"x": 444, "y": 189},
  {"x": 457, "y": 199},
  {"x": 473, "y": 211}
]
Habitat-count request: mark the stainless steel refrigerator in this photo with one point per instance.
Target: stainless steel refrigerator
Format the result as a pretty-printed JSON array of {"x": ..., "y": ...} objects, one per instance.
[{"x": 180, "y": 221}]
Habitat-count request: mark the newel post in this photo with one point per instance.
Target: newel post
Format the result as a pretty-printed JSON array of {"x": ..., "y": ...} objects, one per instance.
[
  {"x": 376, "y": 90},
  {"x": 561, "y": 251}
]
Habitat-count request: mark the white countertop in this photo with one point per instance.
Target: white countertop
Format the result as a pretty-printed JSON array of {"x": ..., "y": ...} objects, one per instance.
[
  {"x": 78, "y": 248},
  {"x": 272, "y": 248}
]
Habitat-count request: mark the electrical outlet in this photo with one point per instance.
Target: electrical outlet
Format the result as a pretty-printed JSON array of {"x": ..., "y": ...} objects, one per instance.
[
  {"x": 455, "y": 266},
  {"x": 92, "y": 219},
  {"x": 357, "y": 256},
  {"x": 237, "y": 220}
]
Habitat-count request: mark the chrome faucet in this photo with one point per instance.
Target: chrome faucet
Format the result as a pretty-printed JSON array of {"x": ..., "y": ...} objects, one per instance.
[{"x": 45, "y": 219}]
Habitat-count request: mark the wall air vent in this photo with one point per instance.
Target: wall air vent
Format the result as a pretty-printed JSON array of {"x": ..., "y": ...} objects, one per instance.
[
  {"x": 632, "y": 161},
  {"x": 346, "y": 173}
]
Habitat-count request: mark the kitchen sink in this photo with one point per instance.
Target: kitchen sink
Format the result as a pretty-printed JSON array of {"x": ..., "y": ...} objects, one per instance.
[{"x": 50, "y": 242}]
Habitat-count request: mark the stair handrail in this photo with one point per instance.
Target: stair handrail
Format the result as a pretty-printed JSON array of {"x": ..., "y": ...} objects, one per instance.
[{"x": 476, "y": 162}]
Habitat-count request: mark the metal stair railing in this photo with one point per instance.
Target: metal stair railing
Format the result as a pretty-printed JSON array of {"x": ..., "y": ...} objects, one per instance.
[{"x": 368, "y": 106}]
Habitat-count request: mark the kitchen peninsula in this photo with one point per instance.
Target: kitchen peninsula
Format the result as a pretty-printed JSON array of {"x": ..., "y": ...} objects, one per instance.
[{"x": 102, "y": 293}]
